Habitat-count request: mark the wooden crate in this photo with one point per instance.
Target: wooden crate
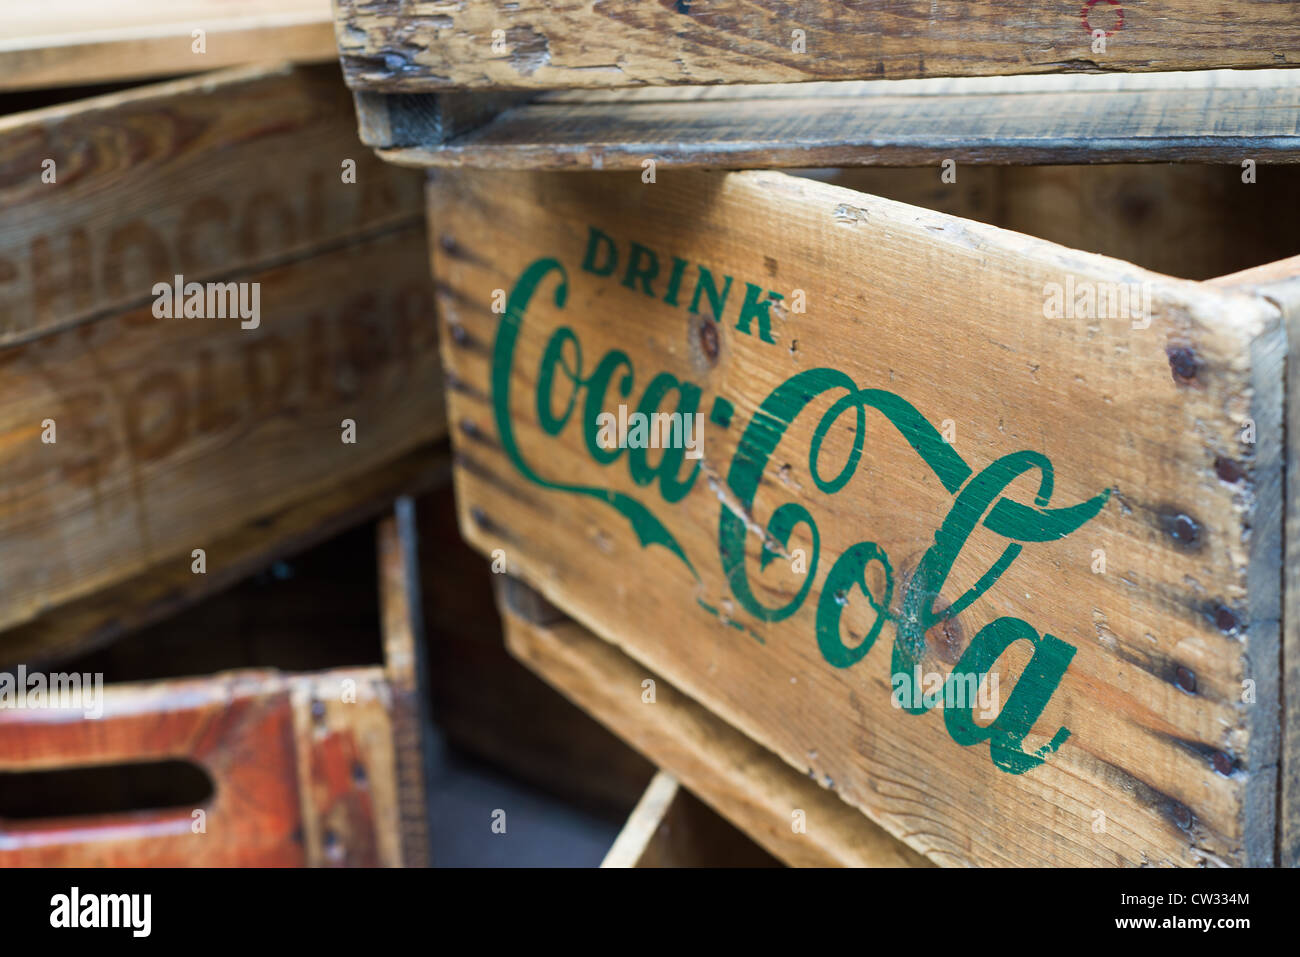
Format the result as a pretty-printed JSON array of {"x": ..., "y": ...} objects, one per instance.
[
  {"x": 726, "y": 83},
  {"x": 127, "y": 441},
  {"x": 554, "y": 44},
  {"x": 921, "y": 471},
  {"x": 313, "y": 769}
]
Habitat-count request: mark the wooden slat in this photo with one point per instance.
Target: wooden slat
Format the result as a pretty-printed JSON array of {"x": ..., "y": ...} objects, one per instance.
[
  {"x": 419, "y": 46},
  {"x": 301, "y": 776},
  {"x": 85, "y": 41},
  {"x": 171, "y": 434},
  {"x": 643, "y": 823},
  {"x": 1140, "y": 429},
  {"x": 744, "y": 783},
  {"x": 1211, "y": 117},
  {"x": 206, "y": 177},
  {"x": 170, "y": 586},
  {"x": 670, "y": 827},
  {"x": 1280, "y": 283},
  {"x": 1138, "y": 213},
  {"x": 406, "y": 669}
]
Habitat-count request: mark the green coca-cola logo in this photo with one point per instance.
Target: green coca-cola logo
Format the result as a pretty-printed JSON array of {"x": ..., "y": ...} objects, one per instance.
[{"x": 568, "y": 387}]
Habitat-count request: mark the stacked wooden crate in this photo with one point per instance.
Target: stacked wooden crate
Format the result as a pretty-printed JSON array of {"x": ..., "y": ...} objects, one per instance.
[
  {"x": 149, "y": 459},
  {"x": 937, "y": 456}
]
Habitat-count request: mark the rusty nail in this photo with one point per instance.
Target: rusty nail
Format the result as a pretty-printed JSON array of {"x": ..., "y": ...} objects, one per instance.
[
  {"x": 1181, "y": 527},
  {"x": 709, "y": 339},
  {"x": 1225, "y": 619},
  {"x": 1228, "y": 470},
  {"x": 1183, "y": 362}
]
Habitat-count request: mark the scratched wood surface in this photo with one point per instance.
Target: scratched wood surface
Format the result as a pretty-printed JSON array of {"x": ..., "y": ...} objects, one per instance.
[
  {"x": 1152, "y": 554},
  {"x": 171, "y": 434},
  {"x": 300, "y": 776},
  {"x": 1216, "y": 116},
  {"x": 430, "y": 44},
  {"x": 739, "y": 779},
  {"x": 87, "y": 41},
  {"x": 207, "y": 177}
]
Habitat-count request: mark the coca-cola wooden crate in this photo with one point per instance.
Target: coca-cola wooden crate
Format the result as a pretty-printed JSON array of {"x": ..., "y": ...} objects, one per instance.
[{"x": 984, "y": 533}]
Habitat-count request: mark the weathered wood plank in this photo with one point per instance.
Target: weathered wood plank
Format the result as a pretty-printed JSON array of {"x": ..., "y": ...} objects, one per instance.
[
  {"x": 1140, "y": 213},
  {"x": 1149, "y": 535},
  {"x": 1280, "y": 283},
  {"x": 743, "y": 782},
  {"x": 1219, "y": 116},
  {"x": 205, "y": 177},
  {"x": 301, "y": 776},
  {"x": 670, "y": 827},
  {"x": 539, "y": 44},
  {"x": 172, "y": 433},
  {"x": 170, "y": 586},
  {"x": 87, "y": 41},
  {"x": 406, "y": 669}
]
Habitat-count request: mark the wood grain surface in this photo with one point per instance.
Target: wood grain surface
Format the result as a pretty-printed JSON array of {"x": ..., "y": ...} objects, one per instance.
[
  {"x": 748, "y": 785},
  {"x": 1217, "y": 116},
  {"x": 1152, "y": 739},
  {"x": 556, "y": 44},
  {"x": 1279, "y": 282},
  {"x": 207, "y": 177},
  {"x": 169, "y": 434},
  {"x": 170, "y": 586},
  {"x": 87, "y": 41}
]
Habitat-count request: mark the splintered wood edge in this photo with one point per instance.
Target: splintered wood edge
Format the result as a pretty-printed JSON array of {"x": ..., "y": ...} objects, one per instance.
[{"x": 753, "y": 789}]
